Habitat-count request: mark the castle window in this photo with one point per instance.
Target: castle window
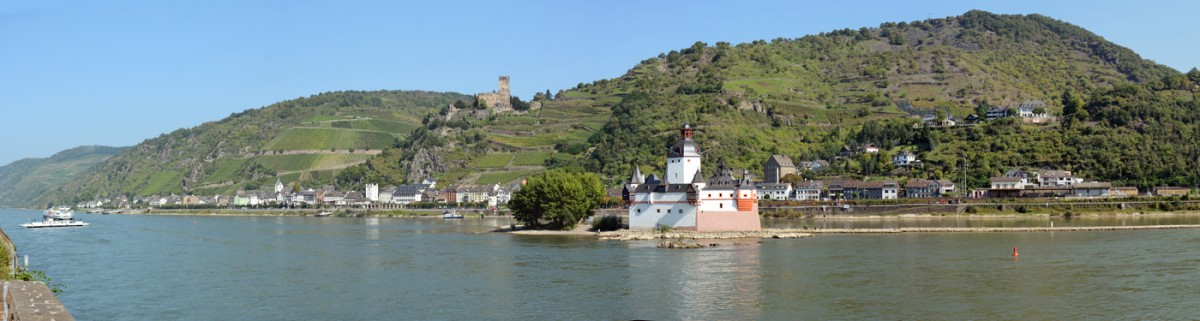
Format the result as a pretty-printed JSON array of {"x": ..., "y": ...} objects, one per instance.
[
  {"x": 722, "y": 205},
  {"x": 658, "y": 210}
]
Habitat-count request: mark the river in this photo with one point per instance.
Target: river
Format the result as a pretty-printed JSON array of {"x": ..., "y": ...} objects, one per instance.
[{"x": 130, "y": 267}]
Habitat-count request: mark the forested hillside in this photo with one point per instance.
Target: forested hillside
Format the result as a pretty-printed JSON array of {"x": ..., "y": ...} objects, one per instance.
[
  {"x": 809, "y": 97},
  {"x": 28, "y": 178}
]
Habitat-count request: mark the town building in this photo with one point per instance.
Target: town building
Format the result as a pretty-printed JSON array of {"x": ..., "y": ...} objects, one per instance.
[
  {"x": 1091, "y": 189},
  {"x": 997, "y": 113},
  {"x": 1123, "y": 191},
  {"x": 813, "y": 166},
  {"x": 684, "y": 200},
  {"x": 1033, "y": 111},
  {"x": 774, "y": 191},
  {"x": 904, "y": 158},
  {"x": 887, "y": 190},
  {"x": 922, "y": 188},
  {"x": 1054, "y": 177},
  {"x": 1171, "y": 191},
  {"x": 807, "y": 191},
  {"x": 776, "y": 167}
]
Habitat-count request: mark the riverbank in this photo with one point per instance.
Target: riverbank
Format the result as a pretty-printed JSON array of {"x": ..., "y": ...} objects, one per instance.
[
  {"x": 636, "y": 235},
  {"x": 310, "y": 212}
]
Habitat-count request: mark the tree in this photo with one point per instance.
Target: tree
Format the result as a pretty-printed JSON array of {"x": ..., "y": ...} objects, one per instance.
[
  {"x": 559, "y": 197},
  {"x": 792, "y": 179},
  {"x": 981, "y": 108},
  {"x": 1194, "y": 76},
  {"x": 1073, "y": 106}
]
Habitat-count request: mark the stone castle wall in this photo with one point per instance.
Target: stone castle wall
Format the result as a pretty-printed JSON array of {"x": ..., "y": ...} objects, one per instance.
[{"x": 500, "y": 100}]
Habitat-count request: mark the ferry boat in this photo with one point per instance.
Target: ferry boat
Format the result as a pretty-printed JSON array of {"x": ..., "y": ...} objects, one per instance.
[
  {"x": 55, "y": 223},
  {"x": 59, "y": 213},
  {"x": 61, "y": 216},
  {"x": 452, "y": 215}
]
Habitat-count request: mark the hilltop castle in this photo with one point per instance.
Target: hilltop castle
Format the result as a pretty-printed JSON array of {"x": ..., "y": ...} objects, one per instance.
[
  {"x": 684, "y": 200},
  {"x": 499, "y": 101}
]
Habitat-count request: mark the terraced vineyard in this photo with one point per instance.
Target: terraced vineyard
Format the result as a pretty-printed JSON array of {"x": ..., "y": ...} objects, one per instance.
[{"x": 328, "y": 138}]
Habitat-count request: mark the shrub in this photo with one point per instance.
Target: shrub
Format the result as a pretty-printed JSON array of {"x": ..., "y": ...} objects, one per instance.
[{"x": 606, "y": 223}]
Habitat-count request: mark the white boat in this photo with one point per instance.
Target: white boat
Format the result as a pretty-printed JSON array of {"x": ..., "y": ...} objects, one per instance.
[
  {"x": 55, "y": 223},
  {"x": 452, "y": 215},
  {"x": 323, "y": 214},
  {"x": 59, "y": 213}
]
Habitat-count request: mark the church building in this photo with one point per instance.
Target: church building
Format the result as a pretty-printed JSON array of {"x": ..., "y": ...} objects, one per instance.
[{"x": 683, "y": 199}]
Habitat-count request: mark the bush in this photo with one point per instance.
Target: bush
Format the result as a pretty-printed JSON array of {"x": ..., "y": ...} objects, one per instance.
[{"x": 606, "y": 223}]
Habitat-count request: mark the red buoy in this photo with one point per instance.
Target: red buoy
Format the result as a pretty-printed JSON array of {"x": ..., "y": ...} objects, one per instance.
[{"x": 1015, "y": 252}]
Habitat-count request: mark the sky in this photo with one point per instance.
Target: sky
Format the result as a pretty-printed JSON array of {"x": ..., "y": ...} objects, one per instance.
[{"x": 119, "y": 72}]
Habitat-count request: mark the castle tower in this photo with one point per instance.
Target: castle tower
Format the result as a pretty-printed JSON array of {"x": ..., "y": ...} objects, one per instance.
[
  {"x": 683, "y": 160},
  {"x": 504, "y": 87}
]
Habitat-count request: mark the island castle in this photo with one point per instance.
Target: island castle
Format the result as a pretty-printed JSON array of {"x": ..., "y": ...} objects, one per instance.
[{"x": 682, "y": 199}]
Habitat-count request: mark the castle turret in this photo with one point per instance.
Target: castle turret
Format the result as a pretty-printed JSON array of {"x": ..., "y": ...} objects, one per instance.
[{"x": 683, "y": 159}]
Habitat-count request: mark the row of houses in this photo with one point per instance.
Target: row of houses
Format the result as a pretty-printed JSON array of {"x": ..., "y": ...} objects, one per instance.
[
  {"x": 283, "y": 195},
  {"x": 849, "y": 189},
  {"x": 1061, "y": 183}
]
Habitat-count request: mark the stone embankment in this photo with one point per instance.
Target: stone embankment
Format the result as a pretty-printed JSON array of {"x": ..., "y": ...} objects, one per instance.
[
  {"x": 33, "y": 301},
  {"x": 632, "y": 235}
]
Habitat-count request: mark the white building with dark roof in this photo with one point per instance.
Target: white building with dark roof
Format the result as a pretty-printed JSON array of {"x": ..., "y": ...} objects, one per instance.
[{"x": 683, "y": 199}]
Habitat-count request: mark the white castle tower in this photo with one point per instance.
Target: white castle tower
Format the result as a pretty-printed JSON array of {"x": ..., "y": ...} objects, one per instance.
[{"x": 683, "y": 161}]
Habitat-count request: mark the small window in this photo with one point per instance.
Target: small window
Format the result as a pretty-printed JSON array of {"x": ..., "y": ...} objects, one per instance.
[
  {"x": 658, "y": 210},
  {"x": 722, "y": 205},
  {"x": 639, "y": 210}
]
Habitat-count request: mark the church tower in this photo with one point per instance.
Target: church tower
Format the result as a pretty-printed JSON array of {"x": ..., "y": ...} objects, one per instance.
[{"x": 683, "y": 160}]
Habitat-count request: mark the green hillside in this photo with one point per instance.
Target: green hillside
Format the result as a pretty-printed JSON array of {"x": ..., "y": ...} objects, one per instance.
[
  {"x": 810, "y": 96},
  {"x": 306, "y": 138},
  {"x": 1116, "y": 116},
  {"x": 807, "y": 97},
  {"x": 26, "y": 179}
]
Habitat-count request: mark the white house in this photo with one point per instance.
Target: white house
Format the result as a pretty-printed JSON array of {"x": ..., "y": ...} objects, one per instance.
[
  {"x": 904, "y": 158},
  {"x": 807, "y": 191},
  {"x": 774, "y": 191},
  {"x": 1054, "y": 177}
]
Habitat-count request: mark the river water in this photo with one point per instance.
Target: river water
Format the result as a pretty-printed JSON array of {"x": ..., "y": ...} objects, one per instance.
[{"x": 126, "y": 267}]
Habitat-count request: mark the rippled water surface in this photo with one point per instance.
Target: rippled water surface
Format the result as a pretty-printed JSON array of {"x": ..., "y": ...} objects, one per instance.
[{"x": 269, "y": 268}]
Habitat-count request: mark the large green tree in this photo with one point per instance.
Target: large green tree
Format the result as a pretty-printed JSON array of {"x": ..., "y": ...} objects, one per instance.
[{"x": 557, "y": 199}]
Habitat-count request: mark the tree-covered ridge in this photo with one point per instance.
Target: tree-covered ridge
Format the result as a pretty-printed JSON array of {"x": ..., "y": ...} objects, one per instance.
[
  {"x": 28, "y": 178},
  {"x": 249, "y": 148},
  {"x": 810, "y": 96}
]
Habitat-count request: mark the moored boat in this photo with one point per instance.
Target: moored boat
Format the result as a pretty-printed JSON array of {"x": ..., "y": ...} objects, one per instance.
[{"x": 451, "y": 215}]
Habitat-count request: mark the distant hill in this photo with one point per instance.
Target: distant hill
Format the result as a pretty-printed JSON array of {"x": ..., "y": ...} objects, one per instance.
[
  {"x": 300, "y": 140},
  {"x": 26, "y": 179}
]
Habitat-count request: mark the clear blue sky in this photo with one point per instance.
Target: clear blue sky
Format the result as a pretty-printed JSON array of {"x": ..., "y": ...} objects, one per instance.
[{"x": 118, "y": 72}]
